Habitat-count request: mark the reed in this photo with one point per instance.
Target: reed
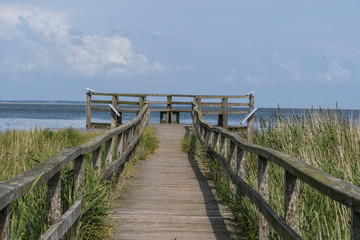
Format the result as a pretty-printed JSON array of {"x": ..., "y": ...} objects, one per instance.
[
  {"x": 21, "y": 150},
  {"x": 323, "y": 138}
]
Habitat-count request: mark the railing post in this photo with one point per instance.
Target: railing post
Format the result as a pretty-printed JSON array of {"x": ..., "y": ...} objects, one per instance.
[
  {"x": 120, "y": 145},
  {"x": 263, "y": 189},
  {"x": 114, "y": 116},
  {"x": 224, "y": 107},
  {"x": 215, "y": 145},
  {"x": 5, "y": 223},
  {"x": 355, "y": 225},
  {"x": 97, "y": 160},
  {"x": 79, "y": 175},
  {"x": 169, "y": 107},
  {"x": 250, "y": 121},
  {"x": 54, "y": 199},
  {"x": 88, "y": 111},
  {"x": 198, "y": 102},
  {"x": 224, "y": 147},
  {"x": 109, "y": 149},
  {"x": 237, "y": 164},
  {"x": 141, "y": 102},
  {"x": 291, "y": 201},
  {"x": 233, "y": 166}
]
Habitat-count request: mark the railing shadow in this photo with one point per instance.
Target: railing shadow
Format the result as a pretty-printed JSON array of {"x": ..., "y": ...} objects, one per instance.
[{"x": 211, "y": 204}]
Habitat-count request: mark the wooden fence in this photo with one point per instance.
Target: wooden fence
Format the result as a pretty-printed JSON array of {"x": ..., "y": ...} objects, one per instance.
[
  {"x": 122, "y": 140},
  {"x": 220, "y": 140},
  {"x": 169, "y": 107}
]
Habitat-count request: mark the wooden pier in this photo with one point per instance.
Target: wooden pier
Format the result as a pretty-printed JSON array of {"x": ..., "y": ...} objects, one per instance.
[{"x": 170, "y": 198}]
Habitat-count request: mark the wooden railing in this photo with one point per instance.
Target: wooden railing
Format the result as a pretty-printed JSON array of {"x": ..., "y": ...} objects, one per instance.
[
  {"x": 122, "y": 139},
  {"x": 220, "y": 141},
  {"x": 168, "y": 107}
]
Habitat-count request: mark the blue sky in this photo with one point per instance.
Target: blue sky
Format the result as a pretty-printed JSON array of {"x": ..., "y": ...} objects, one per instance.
[{"x": 292, "y": 53}]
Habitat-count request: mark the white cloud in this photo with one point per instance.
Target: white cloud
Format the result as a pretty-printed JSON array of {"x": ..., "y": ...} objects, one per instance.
[
  {"x": 335, "y": 72},
  {"x": 231, "y": 77},
  {"x": 53, "y": 46},
  {"x": 156, "y": 34},
  {"x": 338, "y": 71},
  {"x": 256, "y": 79},
  {"x": 186, "y": 67},
  {"x": 293, "y": 68}
]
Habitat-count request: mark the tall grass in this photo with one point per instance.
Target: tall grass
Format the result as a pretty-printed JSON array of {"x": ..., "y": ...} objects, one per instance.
[
  {"x": 325, "y": 140},
  {"x": 21, "y": 150}
]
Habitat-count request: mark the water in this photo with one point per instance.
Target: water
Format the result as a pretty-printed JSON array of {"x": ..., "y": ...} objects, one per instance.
[{"x": 55, "y": 115}]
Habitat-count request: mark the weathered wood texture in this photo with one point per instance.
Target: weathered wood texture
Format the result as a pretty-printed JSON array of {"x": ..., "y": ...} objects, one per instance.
[
  {"x": 169, "y": 111},
  {"x": 295, "y": 170},
  {"x": 49, "y": 171},
  {"x": 169, "y": 198}
]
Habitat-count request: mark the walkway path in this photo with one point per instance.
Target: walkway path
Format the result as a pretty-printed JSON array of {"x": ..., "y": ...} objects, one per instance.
[{"x": 169, "y": 198}]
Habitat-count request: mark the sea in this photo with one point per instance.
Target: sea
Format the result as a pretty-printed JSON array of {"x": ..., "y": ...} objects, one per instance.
[{"x": 28, "y": 115}]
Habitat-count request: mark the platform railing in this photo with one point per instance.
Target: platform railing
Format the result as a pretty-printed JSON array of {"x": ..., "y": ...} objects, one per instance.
[{"x": 168, "y": 107}]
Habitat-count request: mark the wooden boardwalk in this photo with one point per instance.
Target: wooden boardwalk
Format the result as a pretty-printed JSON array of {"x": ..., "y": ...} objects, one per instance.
[{"x": 170, "y": 198}]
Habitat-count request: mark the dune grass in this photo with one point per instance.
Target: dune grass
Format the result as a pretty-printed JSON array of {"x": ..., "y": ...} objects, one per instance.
[
  {"x": 21, "y": 150},
  {"x": 322, "y": 138}
]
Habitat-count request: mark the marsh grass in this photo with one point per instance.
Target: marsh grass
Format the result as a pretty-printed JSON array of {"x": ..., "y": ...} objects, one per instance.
[
  {"x": 22, "y": 150},
  {"x": 323, "y": 138}
]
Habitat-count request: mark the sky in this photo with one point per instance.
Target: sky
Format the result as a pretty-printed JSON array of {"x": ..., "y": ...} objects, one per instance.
[{"x": 295, "y": 54}]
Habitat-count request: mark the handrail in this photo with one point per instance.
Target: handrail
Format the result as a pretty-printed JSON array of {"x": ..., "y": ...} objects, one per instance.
[
  {"x": 127, "y": 136},
  {"x": 218, "y": 140},
  {"x": 168, "y": 109}
]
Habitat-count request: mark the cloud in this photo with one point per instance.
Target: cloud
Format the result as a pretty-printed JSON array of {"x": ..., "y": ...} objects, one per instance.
[
  {"x": 156, "y": 34},
  {"x": 50, "y": 44},
  {"x": 338, "y": 71},
  {"x": 256, "y": 79},
  {"x": 231, "y": 77},
  {"x": 335, "y": 71},
  {"x": 186, "y": 67},
  {"x": 293, "y": 68}
]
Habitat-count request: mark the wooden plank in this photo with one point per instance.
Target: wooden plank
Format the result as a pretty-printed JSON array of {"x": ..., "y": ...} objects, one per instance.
[
  {"x": 156, "y": 102},
  {"x": 20, "y": 185},
  {"x": 129, "y": 110},
  {"x": 165, "y": 95},
  {"x": 54, "y": 206},
  {"x": 181, "y": 103},
  {"x": 101, "y": 101},
  {"x": 250, "y": 121},
  {"x": 64, "y": 223},
  {"x": 169, "y": 197},
  {"x": 100, "y": 125},
  {"x": 88, "y": 111},
  {"x": 5, "y": 223},
  {"x": 263, "y": 190},
  {"x": 129, "y": 102},
  {"x": 211, "y": 104},
  {"x": 291, "y": 199}
]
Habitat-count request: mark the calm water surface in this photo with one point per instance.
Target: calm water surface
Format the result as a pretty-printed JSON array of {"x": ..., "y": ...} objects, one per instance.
[{"x": 27, "y": 115}]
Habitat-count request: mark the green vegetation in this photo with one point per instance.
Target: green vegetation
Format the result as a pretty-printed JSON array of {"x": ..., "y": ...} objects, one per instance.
[
  {"x": 21, "y": 150},
  {"x": 322, "y": 138}
]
